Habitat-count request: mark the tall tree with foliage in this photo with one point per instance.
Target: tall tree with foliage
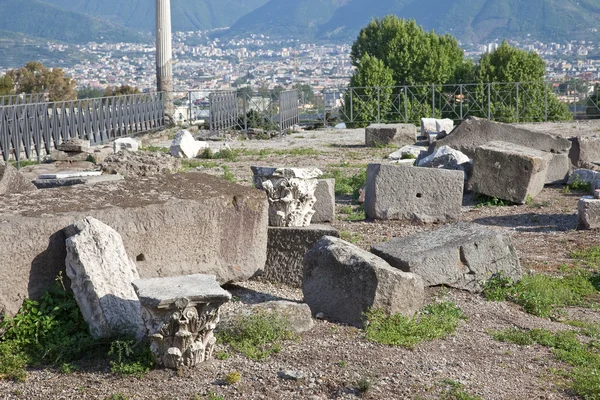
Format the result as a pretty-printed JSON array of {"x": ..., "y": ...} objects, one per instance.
[
  {"x": 34, "y": 77},
  {"x": 518, "y": 88},
  {"x": 7, "y": 86},
  {"x": 370, "y": 98}
]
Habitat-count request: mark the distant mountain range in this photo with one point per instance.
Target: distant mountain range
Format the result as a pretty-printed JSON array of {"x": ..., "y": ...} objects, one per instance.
[{"x": 339, "y": 20}]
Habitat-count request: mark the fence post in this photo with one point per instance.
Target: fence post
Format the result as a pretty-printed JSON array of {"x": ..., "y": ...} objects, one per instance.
[
  {"x": 517, "y": 101},
  {"x": 378, "y": 104},
  {"x": 545, "y": 101},
  {"x": 245, "y": 109},
  {"x": 461, "y": 98},
  {"x": 432, "y": 101},
  {"x": 190, "y": 107},
  {"x": 351, "y": 105},
  {"x": 489, "y": 85}
]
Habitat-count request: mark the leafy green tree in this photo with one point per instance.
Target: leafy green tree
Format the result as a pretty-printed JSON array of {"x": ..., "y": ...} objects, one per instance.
[
  {"x": 371, "y": 94},
  {"x": 519, "y": 92},
  {"x": 89, "y": 92},
  {"x": 415, "y": 57},
  {"x": 34, "y": 77},
  {"x": 245, "y": 92},
  {"x": 305, "y": 92},
  {"x": 7, "y": 85}
]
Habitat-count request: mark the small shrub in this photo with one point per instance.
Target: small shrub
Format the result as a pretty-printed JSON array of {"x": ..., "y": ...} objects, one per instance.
[
  {"x": 214, "y": 396},
  {"x": 363, "y": 384},
  {"x": 222, "y": 355},
  {"x": 408, "y": 156},
  {"x": 578, "y": 185},
  {"x": 342, "y": 363},
  {"x": 228, "y": 175},
  {"x": 129, "y": 358},
  {"x": 487, "y": 201},
  {"x": 233, "y": 377},
  {"x": 256, "y": 336},
  {"x": 433, "y": 322},
  {"x": 353, "y": 213},
  {"x": 347, "y": 185},
  {"x": 456, "y": 391}
]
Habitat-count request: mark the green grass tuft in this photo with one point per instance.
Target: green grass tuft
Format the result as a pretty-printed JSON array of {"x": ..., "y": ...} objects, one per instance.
[
  {"x": 256, "y": 336},
  {"x": 347, "y": 185},
  {"x": 487, "y": 201},
  {"x": 433, "y": 322}
]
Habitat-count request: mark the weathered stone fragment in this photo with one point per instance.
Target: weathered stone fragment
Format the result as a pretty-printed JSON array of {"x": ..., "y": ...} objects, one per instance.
[
  {"x": 460, "y": 256},
  {"x": 291, "y": 193},
  {"x": 509, "y": 172},
  {"x": 296, "y": 315},
  {"x": 101, "y": 274},
  {"x": 342, "y": 282},
  {"x": 448, "y": 158},
  {"x": 126, "y": 143},
  {"x": 325, "y": 204},
  {"x": 588, "y": 211},
  {"x": 407, "y": 152},
  {"x": 81, "y": 180},
  {"x": 412, "y": 193},
  {"x": 171, "y": 224},
  {"x": 185, "y": 146},
  {"x": 12, "y": 181},
  {"x": 286, "y": 249},
  {"x": 57, "y": 155},
  {"x": 559, "y": 168},
  {"x": 180, "y": 314},
  {"x": 141, "y": 164},
  {"x": 583, "y": 176},
  {"x": 385, "y": 134},
  {"x": 75, "y": 145},
  {"x": 585, "y": 152}
]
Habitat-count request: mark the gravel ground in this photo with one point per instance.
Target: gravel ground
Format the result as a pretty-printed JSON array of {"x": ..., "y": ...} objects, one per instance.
[{"x": 334, "y": 357}]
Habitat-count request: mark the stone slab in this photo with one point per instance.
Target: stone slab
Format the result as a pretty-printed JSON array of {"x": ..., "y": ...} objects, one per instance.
[
  {"x": 475, "y": 132},
  {"x": 12, "y": 181},
  {"x": 127, "y": 143},
  {"x": 342, "y": 282},
  {"x": 462, "y": 256},
  {"x": 165, "y": 293},
  {"x": 69, "y": 174},
  {"x": 325, "y": 205},
  {"x": 172, "y": 225},
  {"x": 84, "y": 180},
  {"x": 286, "y": 249},
  {"x": 297, "y": 315},
  {"x": 58, "y": 155},
  {"x": 385, "y": 134},
  {"x": 559, "y": 169},
  {"x": 585, "y": 152},
  {"x": 588, "y": 211},
  {"x": 413, "y": 193},
  {"x": 508, "y": 171},
  {"x": 74, "y": 145}
]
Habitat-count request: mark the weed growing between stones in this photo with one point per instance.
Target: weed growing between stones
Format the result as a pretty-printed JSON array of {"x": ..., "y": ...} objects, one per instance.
[
  {"x": 155, "y": 149},
  {"x": 51, "y": 331},
  {"x": 352, "y": 237},
  {"x": 544, "y": 295},
  {"x": 130, "y": 358},
  {"x": 233, "y": 377},
  {"x": 347, "y": 185},
  {"x": 223, "y": 154},
  {"x": 256, "y": 336},
  {"x": 487, "y": 201},
  {"x": 228, "y": 175},
  {"x": 583, "y": 357},
  {"x": 455, "y": 391},
  {"x": 432, "y": 322},
  {"x": 353, "y": 212},
  {"x": 578, "y": 185}
]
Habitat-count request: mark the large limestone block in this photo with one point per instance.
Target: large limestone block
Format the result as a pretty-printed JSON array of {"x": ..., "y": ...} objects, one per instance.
[
  {"x": 384, "y": 134},
  {"x": 12, "y": 181},
  {"x": 460, "y": 256},
  {"x": 126, "y": 143},
  {"x": 286, "y": 249},
  {"x": 434, "y": 125},
  {"x": 325, "y": 205},
  {"x": 185, "y": 146},
  {"x": 75, "y": 145},
  {"x": 474, "y": 132},
  {"x": 559, "y": 169},
  {"x": 585, "y": 152},
  {"x": 171, "y": 225},
  {"x": 588, "y": 210},
  {"x": 101, "y": 273},
  {"x": 342, "y": 282},
  {"x": 413, "y": 193},
  {"x": 296, "y": 315},
  {"x": 509, "y": 172}
]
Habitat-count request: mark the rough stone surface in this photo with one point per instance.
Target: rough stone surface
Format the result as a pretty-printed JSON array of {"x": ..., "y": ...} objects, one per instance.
[
  {"x": 448, "y": 158},
  {"x": 474, "y": 132},
  {"x": 410, "y": 151},
  {"x": 126, "y": 143},
  {"x": 325, "y": 205},
  {"x": 588, "y": 211},
  {"x": 12, "y": 181},
  {"x": 384, "y": 134},
  {"x": 462, "y": 256},
  {"x": 286, "y": 249},
  {"x": 58, "y": 155},
  {"x": 101, "y": 274},
  {"x": 297, "y": 315},
  {"x": 75, "y": 145},
  {"x": 583, "y": 175},
  {"x": 171, "y": 224},
  {"x": 342, "y": 282},
  {"x": 185, "y": 146},
  {"x": 585, "y": 152},
  {"x": 436, "y": 126},
  {"x": 141, "y": 163},
  {"x": 413, "y": 193},
  {"x": 291, "y": 193},
  {"x": 509, "y": 172},
  {"x": 82, "y": 180},
  {"x": 559, "y": 169}
]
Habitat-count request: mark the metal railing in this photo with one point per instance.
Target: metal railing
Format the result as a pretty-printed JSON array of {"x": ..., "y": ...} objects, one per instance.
[
  {"x": 223, "y": 110},
  {"x": 16, "y": 99},
  {"x": 35, "y": 129}
]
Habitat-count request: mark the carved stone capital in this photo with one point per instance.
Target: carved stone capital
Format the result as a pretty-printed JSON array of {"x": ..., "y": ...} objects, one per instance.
[{"x": 291, "y": 194}]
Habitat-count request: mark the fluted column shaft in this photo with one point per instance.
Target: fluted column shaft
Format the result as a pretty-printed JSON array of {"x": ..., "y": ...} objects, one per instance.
[{"x": 164, "y": 53}]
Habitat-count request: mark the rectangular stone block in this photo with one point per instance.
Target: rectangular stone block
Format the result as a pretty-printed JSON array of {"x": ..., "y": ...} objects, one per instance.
[
  {"x": 588, "y": 211},
  {"x": 462, "y": 255},
  {"x": 286, "y": 248},
  {"x": 75, "y": 146},
  {"x": 384, "y": 134},
  {"x": 508, "y": 171},
  {"x": 325, "y": 205},
  {"x": 559, "y": 169},
  {"x": 171, "y": 225},
  {"x": 413, "y": 193}
]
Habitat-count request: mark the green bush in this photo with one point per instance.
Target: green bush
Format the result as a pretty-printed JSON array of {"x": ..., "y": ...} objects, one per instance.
[
  {"x": 130, "y": 358},
  {"x": 347, "y": 185}
]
